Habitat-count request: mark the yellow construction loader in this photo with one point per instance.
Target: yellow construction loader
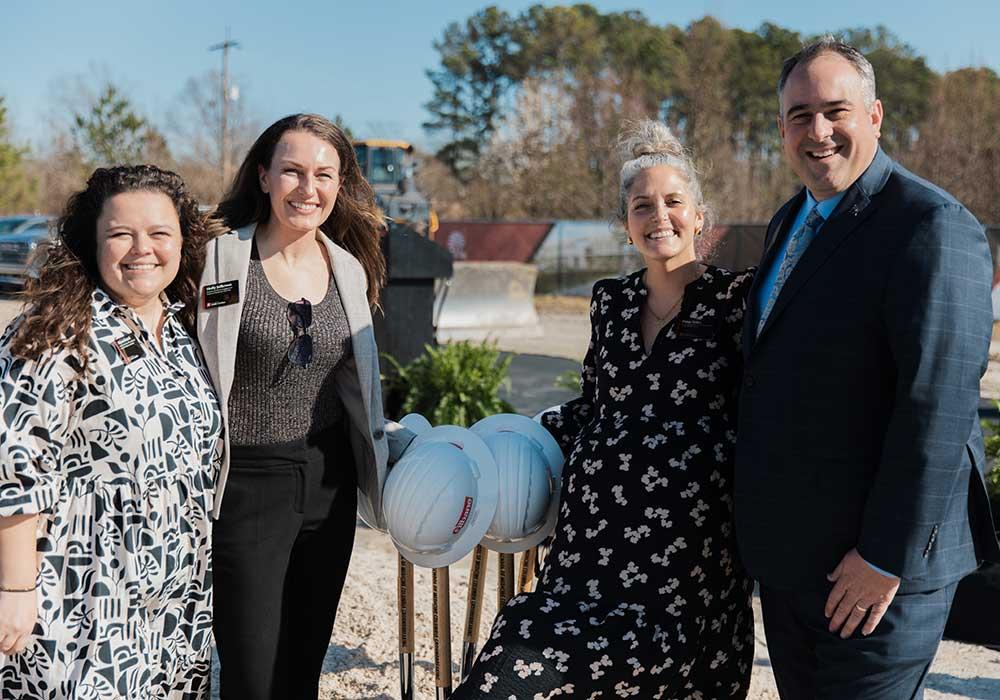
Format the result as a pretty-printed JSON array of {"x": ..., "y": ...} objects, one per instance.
[{"x": 389, "y": 166}]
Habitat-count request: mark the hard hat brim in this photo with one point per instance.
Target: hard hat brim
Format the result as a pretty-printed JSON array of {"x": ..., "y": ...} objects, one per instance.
[
  {"x": 416, "y": 422},
  {"x": 512, "y": 422},
  {"x": 483, "y": 508}
]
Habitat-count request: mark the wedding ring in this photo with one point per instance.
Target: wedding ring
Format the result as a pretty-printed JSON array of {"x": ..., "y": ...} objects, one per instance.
[{"x": 860, "y": 609}]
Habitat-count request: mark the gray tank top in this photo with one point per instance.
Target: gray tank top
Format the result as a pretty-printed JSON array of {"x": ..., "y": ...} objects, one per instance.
[{"x": 274, "y": 400}]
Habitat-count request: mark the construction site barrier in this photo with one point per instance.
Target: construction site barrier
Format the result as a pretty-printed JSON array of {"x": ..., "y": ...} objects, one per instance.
[{"x": 488, "y": 299}]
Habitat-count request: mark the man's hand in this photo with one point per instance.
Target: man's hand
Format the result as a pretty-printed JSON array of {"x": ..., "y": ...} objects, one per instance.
[{"x": 859, "y": 591}]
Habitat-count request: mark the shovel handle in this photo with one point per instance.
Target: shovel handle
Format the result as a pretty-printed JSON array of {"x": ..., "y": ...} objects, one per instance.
[
  {"x": 473, "y": 609},
  {"x": 404, "y": 590},
  {"x": 405, "y": 601},
  {"x": 526, "y": 571},
  {"x": 442, "y": 631},
  {"x": 505, "y": 580}
]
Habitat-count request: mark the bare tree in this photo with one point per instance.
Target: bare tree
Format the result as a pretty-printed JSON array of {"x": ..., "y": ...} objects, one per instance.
[
  {"x": 436, "y": 181},
  {"x": 550, "y": 154},
  {"x": 958, "y": 145},
  {"x": 194, "y": 125},
  {"x": 60, "y": 171},
  {"x": 93, "y": 123}
]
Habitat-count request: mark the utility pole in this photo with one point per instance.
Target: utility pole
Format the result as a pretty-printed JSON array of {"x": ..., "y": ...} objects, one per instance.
[{"x": 224, "y": 165}]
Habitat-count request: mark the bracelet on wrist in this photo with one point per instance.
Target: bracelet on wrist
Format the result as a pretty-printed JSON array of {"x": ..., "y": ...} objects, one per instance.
[{"x": 11, "y": 589}]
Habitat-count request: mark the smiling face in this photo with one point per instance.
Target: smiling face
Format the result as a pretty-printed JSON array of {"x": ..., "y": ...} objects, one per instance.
[
  {"x": 302, "y": 181},
  {"x": 828, "y": 134},
  {"x": 138, "y": 247},
  {"x": 663, "y": 217}
]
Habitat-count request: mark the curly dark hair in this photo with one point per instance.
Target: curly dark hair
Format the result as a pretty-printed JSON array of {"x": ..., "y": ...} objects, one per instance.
[
  {"x": 58, "y": 309},
  {"x": 356, "y": 221}
]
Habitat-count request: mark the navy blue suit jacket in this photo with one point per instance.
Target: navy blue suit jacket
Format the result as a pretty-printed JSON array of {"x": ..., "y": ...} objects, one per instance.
[{"x": 858, "y": 410}]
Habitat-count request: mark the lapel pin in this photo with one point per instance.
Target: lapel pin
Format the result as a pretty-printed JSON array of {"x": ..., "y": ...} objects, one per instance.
[{"x": 855, "y": 210}]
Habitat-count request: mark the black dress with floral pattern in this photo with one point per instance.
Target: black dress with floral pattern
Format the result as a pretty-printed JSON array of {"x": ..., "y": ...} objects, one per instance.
[
  {"x": 120, "y": 465},
  {"x": 642, "y": 594}
]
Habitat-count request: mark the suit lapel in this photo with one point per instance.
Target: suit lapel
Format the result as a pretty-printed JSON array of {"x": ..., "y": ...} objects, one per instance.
[
  {"x": 777, "y": 232},
  {"x": 830, "y": 237},
  {"x": 785, "y": 218},
  {"x": 232, "y": 262},
  {"x": 854, "y": 208},
  {"x": 355, "y": 302}
]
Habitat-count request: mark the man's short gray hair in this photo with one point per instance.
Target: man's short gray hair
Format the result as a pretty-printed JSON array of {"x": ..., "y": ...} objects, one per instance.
[{"x": 831, "y": 44}]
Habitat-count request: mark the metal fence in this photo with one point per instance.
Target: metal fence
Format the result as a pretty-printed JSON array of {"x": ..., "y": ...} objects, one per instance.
[
  {"x": 576, "y": 254},
  {"x": 574, "y": 257}
]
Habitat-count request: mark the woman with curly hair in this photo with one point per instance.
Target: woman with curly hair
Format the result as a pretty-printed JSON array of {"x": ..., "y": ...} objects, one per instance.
[
  {"x": 109, "y": 447},
  {"x": 285, "y": 323}
]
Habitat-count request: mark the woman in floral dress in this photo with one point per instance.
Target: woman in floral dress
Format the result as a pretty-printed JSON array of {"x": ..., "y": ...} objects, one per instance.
[
  {"x": 642, "y": 594},
  {"x": 109, "y": 437}
]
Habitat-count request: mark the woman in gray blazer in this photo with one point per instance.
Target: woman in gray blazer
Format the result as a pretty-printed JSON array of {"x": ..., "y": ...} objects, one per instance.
[{"x": 285, "y": 324}]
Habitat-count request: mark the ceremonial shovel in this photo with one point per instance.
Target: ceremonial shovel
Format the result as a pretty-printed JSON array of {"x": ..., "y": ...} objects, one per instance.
[
  {"x": 406, "y": 643},
  {"x": 473, "y": 609}
]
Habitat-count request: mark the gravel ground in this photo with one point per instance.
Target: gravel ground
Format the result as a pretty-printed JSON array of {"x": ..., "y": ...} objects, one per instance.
[
  {"x": 8, "y": 308},
  {"x": 361, "y": 661}
]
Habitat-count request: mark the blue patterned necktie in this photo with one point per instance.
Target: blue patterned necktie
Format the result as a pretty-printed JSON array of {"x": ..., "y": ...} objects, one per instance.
[{"x": 797, "y": 245}]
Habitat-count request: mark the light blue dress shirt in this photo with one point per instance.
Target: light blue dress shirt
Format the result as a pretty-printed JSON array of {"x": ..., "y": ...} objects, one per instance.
[{"x": 826, "y": 208}]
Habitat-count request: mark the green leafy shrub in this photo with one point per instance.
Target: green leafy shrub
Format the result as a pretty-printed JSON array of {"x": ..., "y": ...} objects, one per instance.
[
  {"x": 991, "y": 439},
  {"x": 454, "y": 384},
  {"x": 993, "y": 483},
  {"x": 568, "y": 380}
]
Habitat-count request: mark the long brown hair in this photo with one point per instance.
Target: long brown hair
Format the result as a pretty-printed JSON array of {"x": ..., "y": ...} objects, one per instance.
[
  {"x": 355, "y": 222},
  {"x": 59, "y": 300}
]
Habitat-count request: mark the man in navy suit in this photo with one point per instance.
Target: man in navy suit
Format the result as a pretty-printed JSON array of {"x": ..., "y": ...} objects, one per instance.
[{"x": 860, "y": 499}]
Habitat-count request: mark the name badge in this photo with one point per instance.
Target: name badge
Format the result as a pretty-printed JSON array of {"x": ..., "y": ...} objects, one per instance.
[
  {"x": 696, "y": 330},
  {"x": 222, "y": 294},
  {"x": 129, "y": 348}
]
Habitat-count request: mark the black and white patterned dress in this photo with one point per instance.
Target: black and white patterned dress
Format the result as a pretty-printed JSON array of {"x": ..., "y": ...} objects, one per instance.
[
  {"x": 121, "y": 467},
  {"x": 642, "y": 594}
]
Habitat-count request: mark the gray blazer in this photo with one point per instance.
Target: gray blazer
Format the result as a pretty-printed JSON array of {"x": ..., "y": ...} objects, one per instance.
[{"x": 375, "y": 441}]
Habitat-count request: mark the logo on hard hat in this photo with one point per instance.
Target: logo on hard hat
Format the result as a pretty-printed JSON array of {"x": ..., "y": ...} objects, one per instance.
[
  {"x": 441, "y": 496},
  {"x": 466, "y": 509}
]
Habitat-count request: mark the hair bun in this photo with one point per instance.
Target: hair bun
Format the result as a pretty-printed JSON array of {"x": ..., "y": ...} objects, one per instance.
[{"x": 647, "y": 137}]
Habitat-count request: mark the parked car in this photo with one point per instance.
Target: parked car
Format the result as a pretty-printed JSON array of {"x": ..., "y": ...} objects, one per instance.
[
  {"x": 18, "y": 223},
  {"x": 19, "y": 238}
]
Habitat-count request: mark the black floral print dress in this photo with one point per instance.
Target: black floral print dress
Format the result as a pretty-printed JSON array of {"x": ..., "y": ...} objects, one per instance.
[
  {"x": 120, "y": 465},
  {"x": 642, "y": 594}
]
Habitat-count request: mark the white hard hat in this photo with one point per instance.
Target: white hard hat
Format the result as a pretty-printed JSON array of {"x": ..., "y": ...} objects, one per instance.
[
  {"x": 538, "y": 416},
  {"x": 440, "y": 497},
  {"x": 530, "y": 463},
  {"x": 416, "y": 422}
]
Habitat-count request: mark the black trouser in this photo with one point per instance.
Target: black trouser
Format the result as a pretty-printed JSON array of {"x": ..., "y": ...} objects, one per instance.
[
  {"x": 812, "y": 663},
  {"x": 281, "y": 549}
]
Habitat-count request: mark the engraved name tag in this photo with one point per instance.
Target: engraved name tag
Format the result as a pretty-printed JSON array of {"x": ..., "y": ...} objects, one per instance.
[{"x": 221, "y": 294}]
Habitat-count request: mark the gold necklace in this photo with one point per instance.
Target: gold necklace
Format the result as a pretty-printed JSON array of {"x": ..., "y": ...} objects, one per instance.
[{"x": 664, "y": 317}]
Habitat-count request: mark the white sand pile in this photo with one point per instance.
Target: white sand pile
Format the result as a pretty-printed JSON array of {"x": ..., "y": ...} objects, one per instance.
[{"x": 362, "y": 659}]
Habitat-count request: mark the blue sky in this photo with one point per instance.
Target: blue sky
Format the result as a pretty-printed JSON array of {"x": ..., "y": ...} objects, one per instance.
[{"x": 366, "y": 60}]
